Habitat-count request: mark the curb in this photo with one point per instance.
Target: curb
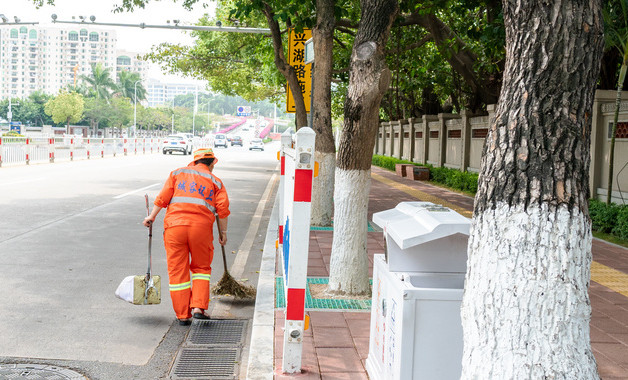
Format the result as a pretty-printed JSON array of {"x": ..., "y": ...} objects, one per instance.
[{"x": 261, "y": 354}]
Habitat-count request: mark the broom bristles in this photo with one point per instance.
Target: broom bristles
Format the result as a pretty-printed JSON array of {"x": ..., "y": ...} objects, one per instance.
[{"x": 228, "y": 286}]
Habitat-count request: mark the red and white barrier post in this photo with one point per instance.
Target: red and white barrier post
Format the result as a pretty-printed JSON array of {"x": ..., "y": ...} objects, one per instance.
[
  {"x": 299, "y": 171},
  {"x": 72, "y": 149},
  {"x": 286, "y": 143},
  {"x": 51, "y": 150},
  {"x": 89, "y": 146},
  {"x": 102, "y": 148},
  {"x": 28, "y": 151}
]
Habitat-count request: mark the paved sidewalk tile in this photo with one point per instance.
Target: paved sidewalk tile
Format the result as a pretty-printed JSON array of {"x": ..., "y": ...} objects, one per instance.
[{"x": 333, "y": 360}]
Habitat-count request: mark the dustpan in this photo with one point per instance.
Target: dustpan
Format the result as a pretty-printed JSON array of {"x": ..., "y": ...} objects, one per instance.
[{"x": 142, "y": 289}]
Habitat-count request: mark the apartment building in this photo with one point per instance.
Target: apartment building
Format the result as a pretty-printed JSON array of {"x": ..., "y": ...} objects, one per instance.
[
  {"x": 36, "y": 58},
  {"x": 131, "y": 61},
  {"x": 159, "y": 93}
]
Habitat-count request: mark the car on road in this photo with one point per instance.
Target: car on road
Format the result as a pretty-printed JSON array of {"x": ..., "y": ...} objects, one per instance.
[
  {"x": 236, "y": 140},
  {"x": 189, "y": 138},
  {"x": 220, "y": 140},
  {"x": 256, "y": 144},
  {"x": 176, "y": 143}
]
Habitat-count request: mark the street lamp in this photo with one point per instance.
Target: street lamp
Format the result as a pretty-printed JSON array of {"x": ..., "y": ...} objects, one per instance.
[{"x": 135, "y": 106}]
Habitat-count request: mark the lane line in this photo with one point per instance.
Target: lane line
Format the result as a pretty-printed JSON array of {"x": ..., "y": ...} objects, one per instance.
[
  {"x": 602, "y": 274},
  {"x": 237, "y": 268},
  {"x": 135, "y": 191}
]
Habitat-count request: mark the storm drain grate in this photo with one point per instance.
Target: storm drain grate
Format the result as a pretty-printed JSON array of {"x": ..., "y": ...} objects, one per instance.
[
  {"x": 37, "y": 371},
  {"x": 217, "y": 332},
  {"x": 212, "y": 363}
]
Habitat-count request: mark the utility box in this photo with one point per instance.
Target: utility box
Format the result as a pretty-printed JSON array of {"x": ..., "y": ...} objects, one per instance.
[{"x": 416, "y": 331}]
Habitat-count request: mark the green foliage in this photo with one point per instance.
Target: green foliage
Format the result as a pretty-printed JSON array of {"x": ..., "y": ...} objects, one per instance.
[
  {"x": 611, "y": 219},
  {"x": 99, "y": 82},
  {"x": 65, "y": 107},
  {"x": 452, "y": 178},
  {"x": 29, "y": 111},
  {"x": 127, "y": 85},
  {"x": 603, "y": 216}
]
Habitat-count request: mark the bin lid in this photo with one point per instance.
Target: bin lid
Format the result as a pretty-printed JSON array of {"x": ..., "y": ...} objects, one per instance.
[{"x": 414, "y": 223}]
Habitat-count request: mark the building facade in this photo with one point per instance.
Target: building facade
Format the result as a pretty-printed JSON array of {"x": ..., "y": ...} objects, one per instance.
[
  {"x": 160, "y": 94},
  {"x": 34, "y": 58},
  {"x": 130, "y": 61}
]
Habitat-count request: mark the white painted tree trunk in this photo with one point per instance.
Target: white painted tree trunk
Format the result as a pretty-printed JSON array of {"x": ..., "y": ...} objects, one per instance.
[
  {"x": 526, "y": 308},
  {"x": 348, "y": 271},
  {"x": 323, "y": 190}
]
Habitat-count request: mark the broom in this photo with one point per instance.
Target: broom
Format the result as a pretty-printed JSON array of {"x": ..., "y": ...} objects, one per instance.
[{"x": 228, "y": 286}]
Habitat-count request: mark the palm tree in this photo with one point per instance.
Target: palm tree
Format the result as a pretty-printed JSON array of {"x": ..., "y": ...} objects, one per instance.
[
  {"x": 100, "y": 81},
  {"x": 126, "y": 85}
]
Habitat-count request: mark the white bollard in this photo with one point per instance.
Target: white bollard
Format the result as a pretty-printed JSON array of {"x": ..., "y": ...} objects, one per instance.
[{"x": 297, "y": 199}]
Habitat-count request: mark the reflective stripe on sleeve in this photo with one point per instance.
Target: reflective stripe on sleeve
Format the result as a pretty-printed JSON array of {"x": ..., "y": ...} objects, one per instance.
[
  {"x": 200, "y": 276},
  {"x": 196, "y": 201},
  {"x": 181, "y": 286},
  {"x": 202, "y": 174}
]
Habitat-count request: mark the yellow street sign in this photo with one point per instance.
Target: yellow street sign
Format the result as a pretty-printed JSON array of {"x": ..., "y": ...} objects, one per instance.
[{"x": 296, "y": 59}]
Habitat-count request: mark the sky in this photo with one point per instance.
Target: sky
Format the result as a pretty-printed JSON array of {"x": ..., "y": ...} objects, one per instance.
[{"x": 133, "y": 39}]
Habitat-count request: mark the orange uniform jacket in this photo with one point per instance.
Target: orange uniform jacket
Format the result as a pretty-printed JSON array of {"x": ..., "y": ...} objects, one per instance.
[{"x": 192, "y": 195}]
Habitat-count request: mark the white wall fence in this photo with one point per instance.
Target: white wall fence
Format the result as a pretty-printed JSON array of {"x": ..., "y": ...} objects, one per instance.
[
  {"x": 456, "y": 141},
  {"x": 27, "y": 150}
]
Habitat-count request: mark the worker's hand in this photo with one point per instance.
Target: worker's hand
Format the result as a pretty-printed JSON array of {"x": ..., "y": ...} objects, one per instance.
[
  {"x": 222, "y": 239},
  {"x": 148, "y": 221}
]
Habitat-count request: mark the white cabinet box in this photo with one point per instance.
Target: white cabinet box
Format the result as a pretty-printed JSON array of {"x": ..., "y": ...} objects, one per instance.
[
  {"x": 424, "y": 237},
  {"x": 416, "y": 332}
]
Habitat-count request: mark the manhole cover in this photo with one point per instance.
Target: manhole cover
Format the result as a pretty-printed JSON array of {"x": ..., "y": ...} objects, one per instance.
[
  {"x": 37, "y": 371},
  {"x": 217, "y": 331},
  {"x": 215, "y": 363}
]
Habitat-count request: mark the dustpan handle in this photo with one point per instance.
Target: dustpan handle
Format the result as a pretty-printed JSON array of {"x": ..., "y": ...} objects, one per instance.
[{"x": 150, "y": 239}]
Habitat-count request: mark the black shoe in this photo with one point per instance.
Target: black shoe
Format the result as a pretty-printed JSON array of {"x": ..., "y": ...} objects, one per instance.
[
  {"x": 185, "y": 322},
  {"x": 201, "y": 316}
]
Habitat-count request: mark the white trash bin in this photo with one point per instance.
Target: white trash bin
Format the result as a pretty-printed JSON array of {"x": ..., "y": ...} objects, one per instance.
[{"x": 416, "y": 331}]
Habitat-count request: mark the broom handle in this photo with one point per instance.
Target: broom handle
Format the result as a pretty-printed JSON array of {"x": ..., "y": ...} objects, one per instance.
[
  {"x": 150, "y": 240},
  {"x": 224, "y": 257}
]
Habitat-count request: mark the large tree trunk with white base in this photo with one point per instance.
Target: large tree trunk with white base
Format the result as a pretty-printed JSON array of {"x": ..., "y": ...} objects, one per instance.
[
  {"x": 369, "y": 78},
  {"x": 526, "y": 310},
  {"x": 325, "y": 155}
]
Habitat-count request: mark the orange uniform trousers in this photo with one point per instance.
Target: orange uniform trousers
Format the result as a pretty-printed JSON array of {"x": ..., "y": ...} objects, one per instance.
[{"x": 189, "y": 249}]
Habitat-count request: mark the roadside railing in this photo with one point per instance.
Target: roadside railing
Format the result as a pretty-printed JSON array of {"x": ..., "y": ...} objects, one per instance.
[{"x": 27, "y": 150}]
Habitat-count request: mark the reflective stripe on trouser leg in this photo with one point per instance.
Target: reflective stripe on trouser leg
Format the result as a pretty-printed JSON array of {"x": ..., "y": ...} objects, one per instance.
[
  {"x": 201, "y": 243},
  {"x": 177, "y": 252}
]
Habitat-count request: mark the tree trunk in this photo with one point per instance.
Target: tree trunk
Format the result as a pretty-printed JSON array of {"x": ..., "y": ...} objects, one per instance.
[
  {"x": 284, "y": 68},
  {"x": 369, "y": 78},
  {"x": 526, "y": 309},
  {"x": 325, "y": 150}
]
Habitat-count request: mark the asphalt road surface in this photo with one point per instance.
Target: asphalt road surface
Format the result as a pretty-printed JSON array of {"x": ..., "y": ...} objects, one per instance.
[{"x": 70, "y": 232}]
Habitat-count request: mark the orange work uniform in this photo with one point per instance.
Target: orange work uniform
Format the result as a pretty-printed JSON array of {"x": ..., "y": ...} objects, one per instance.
[{"x": 192, "y": 195}]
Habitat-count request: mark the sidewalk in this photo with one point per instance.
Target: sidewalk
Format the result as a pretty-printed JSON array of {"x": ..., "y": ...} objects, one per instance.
[{"x": 336, "y": 345}]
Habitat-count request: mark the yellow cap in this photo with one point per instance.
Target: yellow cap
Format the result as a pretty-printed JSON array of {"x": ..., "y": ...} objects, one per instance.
[{"x": 204, "y": 153}]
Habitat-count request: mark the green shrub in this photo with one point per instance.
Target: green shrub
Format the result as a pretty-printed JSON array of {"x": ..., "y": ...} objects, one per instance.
[
  {"x": 603, "y": 216},
  {"x": 621, "y": 227},
  {"x": 452, "y": 178}
]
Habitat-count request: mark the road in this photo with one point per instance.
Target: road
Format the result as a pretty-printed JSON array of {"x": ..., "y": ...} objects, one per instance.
[{"x": 70, "y": 232}]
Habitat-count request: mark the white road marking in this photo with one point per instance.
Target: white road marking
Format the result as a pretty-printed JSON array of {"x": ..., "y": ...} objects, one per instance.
[{"x": 136, "y": 191}]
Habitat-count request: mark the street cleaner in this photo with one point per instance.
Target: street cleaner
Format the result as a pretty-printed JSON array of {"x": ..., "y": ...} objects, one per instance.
[{"x": 193, "y": 196}]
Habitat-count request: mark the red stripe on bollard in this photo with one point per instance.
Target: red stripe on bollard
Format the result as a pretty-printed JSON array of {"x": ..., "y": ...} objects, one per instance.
[
  {"x": 303, "y": 185},
  {"x": 280, "y": 234},
  {"x": 295, "y": 310},
  {"x": 283, "y": 165}
]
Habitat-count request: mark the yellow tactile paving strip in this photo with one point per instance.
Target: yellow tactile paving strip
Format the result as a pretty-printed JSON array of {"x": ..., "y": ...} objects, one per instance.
[
  {"x": 609, "y": 277},
  {"x": 603, "y": 275},
  {"x": 420, "y": 195}
]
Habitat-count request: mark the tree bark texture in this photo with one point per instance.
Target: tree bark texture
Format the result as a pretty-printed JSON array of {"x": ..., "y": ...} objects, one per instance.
[
  {"x": 284, "y": 67},
  {"x": 526, "y": 310},
  {"x": 323, "y": 185},
  {"x": 369, "y": 78}
]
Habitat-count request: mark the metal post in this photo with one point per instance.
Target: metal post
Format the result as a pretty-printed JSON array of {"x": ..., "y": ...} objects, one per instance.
[{"x": 135, "y": 107}]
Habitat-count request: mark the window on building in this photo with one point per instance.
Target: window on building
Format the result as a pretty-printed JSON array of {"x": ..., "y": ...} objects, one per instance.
[
  {"x": 83, "y": 32},
  {"x": 93, "y": 36},
  {"x": 32, "y": 34},
  {"x": 73, "y": 36},
  {"x": 13, "y": 33},
  {"x": 23, "y": 30},
  {"x": 123, "y": 60}
]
